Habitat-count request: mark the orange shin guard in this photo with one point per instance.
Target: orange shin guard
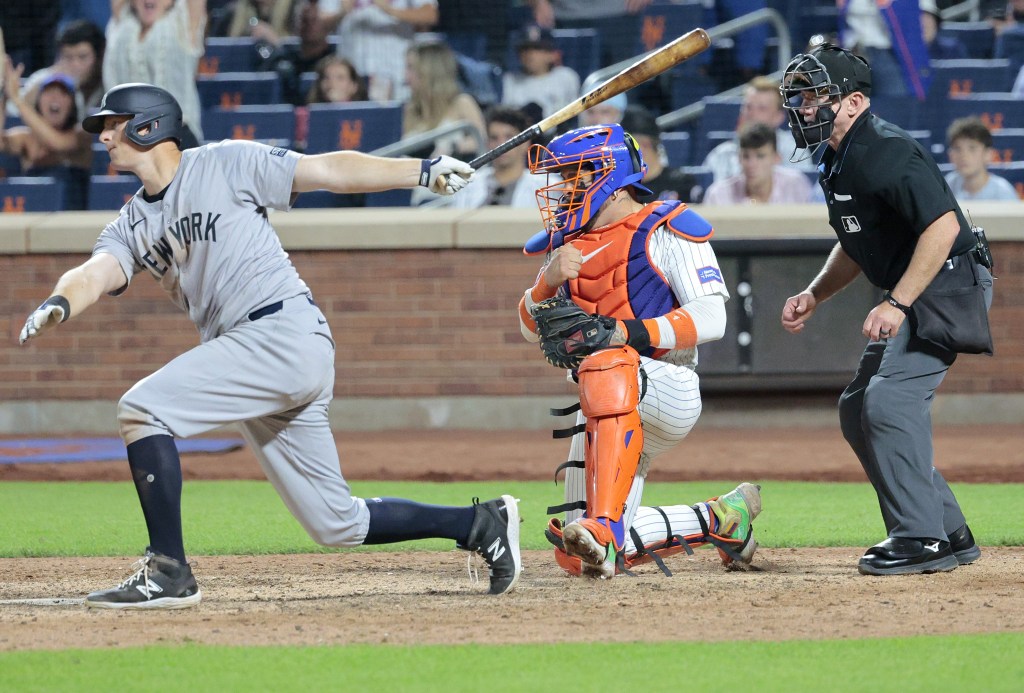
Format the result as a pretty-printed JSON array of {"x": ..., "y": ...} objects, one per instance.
[{"x": 609, "y": 396}]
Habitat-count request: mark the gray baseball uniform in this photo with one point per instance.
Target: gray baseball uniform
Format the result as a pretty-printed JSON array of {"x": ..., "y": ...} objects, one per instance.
[{"x": 266, "y": 359}]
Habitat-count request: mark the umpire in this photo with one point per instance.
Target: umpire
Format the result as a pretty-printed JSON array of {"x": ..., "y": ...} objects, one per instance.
[{"x": 898, "y": 224}]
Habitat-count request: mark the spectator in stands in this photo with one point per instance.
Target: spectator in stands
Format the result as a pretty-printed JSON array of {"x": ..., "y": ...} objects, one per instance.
[
  {"x": 337, "y": 81},
  {"x": 667, "y": 183},
  {"x": 939, "y": 47},
  {"x": 436, "y": 100},
  {"x": 1011, "y": 16},
  {"x": 375, "y": 35},
  {"x": 80, "y": 47},
  {"x": 542, "y": 80},
  {"x": 762, "y": 103},
  {"x": 869, "y": 32},
  {"x": 608, "y": 111},
  {"x": 969, "y": 145},
  {"x": 291, "y": 60},
  {"x": 747, "y": 56},
  {"x": 159, "y": 42},
  {"x": 266, "y": 21},
  {"x": 762, "y": 179},
  {"x": 506, "y": 181},
  {"x": 51, "y": 142},
  {"x": 618, "y": 23}
]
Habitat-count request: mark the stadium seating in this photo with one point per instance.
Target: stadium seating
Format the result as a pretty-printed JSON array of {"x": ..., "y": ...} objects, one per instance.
[
  {"x": 1008, "y": 144},
  {"x": 363, "y": 126},
  {"x": 111, "y": 192},
  {"x": 1010, "y": 45},
  {"x": 664, "y": 21},
  {"x": 898, "y": 110},
  {"x": 677, "y": 148},
  {"x": 704, "y": 179},
  {"x": 262, "y": 123},
  {"x": 997, "y": 110},
  {"x": 31, "y": 194},
  {"x": 951, "y": 78},
  {"x": 9, "y": 165},
  {"x": 228, "y": 54},
  {"x": 233, "y": 89},
  {"x": 978, "y": 37}
]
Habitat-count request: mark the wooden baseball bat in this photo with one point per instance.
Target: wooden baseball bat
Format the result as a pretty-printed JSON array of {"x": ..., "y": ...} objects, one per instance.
[{"x": 651, "y": 65}]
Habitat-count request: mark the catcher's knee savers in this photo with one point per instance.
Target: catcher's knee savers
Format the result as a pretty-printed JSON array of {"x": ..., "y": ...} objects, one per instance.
[{"x": 609, "y": 397}]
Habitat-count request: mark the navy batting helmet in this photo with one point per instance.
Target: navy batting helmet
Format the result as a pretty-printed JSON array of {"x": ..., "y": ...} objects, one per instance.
[{"x": 150, "y": 107}]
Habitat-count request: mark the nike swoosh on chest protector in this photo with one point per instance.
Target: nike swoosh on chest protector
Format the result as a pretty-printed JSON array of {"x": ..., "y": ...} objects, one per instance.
[{"x": 590, "y": 255}]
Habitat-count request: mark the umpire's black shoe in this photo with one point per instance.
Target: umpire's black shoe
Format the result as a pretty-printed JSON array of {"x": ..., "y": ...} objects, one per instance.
[
  {"x": 495, "y": 536},
  {"x": 160, "y": 582},
  {"x": 902, "y": 556},
  {"x": 961, "y": 542}
]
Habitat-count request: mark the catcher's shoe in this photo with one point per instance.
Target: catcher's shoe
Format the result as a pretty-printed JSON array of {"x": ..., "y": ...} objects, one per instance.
[
  {"x": 736, "y": 511},
  {"x": 160, "y": 582},
  {"x": 592, "y": 543},
  {"x": 495, "y": 536}
]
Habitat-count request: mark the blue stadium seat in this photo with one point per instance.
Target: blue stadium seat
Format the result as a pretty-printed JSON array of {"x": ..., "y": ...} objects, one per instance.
[
  {"x": 228, "y": 54},
  {"x": 251, "y": 123},
  {"x": 978, "y": 37},
  {"x": 324, "y": 199},
  {"x": 710, "y": 140},
  {"x": 9, "y": 165},
  {"x": 997, "y": 110},
  {"x": 720, "y": 113},
  {"x": 1010, "y": 45},
  {"x": 581, "y": 50},
  {"x": 663, "y": 22},
  {"x": 111, "y": 192},
  {"x": 31, "y": 194},
  {"x": 390, "y": 198},
  {"x": 898, "y": 110},
  {"x": 952, "y": 78},
  {"x": 687, "y": 87},
  {"x": 1008, "y": 144},
  {"x": 233, "y": 89},
  {"x": 677, "y": 148},
  {"x": 362, "y": 126},
  {"x": 306, "y": 81}
]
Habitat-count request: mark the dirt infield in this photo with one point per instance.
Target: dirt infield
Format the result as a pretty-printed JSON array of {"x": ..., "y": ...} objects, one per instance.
[{"x": 416, "y": 597}]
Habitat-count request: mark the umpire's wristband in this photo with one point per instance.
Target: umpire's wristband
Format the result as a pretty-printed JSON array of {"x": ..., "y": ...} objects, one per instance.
[
  {"x": 637, "y": 335},
  {"x": 60, "y": 302},
  {"x": 887, "y": 297}
]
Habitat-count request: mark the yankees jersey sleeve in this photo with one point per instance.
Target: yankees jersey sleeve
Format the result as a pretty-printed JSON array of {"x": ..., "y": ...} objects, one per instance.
[
  {"x": 690, "y": 268},
  {"x": 260, "y": 174}
]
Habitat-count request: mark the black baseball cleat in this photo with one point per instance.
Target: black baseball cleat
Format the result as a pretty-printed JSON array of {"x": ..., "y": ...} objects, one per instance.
[
  {"x": 961, "y": 543},
  {"x": 903, "y": 556},
  {"x": 160, "y": 582},
  {"x": 495, "y": 536}
]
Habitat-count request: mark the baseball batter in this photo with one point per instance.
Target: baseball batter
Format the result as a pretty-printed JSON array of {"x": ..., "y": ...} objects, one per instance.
[
  {"x": 645, "y": 290},
  {"x": 199, "y": 227}
]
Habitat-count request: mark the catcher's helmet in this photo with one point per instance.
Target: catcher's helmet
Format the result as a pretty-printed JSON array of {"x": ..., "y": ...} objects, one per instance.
[
  {"x": 831, "y": 73},
  {"x": 149, "y": 106},
  {"x": 588, "y": 165}
]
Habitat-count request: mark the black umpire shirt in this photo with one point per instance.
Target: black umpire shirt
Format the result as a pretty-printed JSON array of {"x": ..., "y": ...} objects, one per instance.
[{"x": 883, "y": 190}]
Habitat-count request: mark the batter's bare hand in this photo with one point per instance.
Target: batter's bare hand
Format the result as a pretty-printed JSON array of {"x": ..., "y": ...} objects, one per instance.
[
  {"x": 797, "y": 311},
  {"x": 43, "y": 317},
  {"x": 564, "y": 264},
  {"x": 883, "y": 322},
  {"x": 445, "y": 175}
]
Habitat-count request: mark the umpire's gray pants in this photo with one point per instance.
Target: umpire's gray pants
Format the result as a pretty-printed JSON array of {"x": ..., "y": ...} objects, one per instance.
[{"x": 885, "y": 414}]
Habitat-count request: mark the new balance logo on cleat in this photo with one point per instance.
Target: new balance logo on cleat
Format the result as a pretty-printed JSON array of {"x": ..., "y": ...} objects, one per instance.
[
  {"x": 495, "y": 536},
  {"x": 159, "y": 582},
  {"x": 496, "y": 550}
]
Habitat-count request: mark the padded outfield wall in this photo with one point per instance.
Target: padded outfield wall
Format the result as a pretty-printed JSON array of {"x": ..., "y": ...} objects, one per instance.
[{"x": 423, "y": 308}]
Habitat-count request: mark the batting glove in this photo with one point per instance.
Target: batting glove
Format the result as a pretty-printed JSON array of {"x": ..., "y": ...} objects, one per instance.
[
  {"x": 54, "y": 310},
  {"x": 445, "y": 175}
]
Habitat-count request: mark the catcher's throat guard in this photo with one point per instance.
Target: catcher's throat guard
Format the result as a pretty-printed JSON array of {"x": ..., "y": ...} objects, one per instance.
[{"x": 609, "y": 397}]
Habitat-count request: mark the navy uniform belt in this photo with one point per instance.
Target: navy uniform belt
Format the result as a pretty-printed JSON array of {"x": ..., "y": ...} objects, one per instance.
[{"x": 274, "y": 307}]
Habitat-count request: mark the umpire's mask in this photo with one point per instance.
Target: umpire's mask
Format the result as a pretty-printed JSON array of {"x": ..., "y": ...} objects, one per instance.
[{"x": 820, "y": 78}]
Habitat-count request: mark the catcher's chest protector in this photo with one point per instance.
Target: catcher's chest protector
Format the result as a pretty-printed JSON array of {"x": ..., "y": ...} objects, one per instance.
[{"x": 617, "y": 278}]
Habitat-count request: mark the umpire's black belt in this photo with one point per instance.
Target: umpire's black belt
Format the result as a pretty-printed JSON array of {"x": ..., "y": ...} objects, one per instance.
[{"x": 274, "y": 307}]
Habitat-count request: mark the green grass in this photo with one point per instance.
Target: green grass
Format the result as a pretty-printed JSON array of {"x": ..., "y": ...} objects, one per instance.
[
  {"x": 247, "y": 517},
  {"x": 988, "y": 663}
]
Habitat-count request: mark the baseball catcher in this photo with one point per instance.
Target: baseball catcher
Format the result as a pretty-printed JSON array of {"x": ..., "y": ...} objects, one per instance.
[{"x": 627, "y": 292}]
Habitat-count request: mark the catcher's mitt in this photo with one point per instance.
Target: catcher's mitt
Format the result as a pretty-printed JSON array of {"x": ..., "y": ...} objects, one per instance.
[{"x": 567, "y": 333}]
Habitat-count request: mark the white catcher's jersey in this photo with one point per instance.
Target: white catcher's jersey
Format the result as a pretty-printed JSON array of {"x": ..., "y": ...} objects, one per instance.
[{"x": 207, "y": 238}]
